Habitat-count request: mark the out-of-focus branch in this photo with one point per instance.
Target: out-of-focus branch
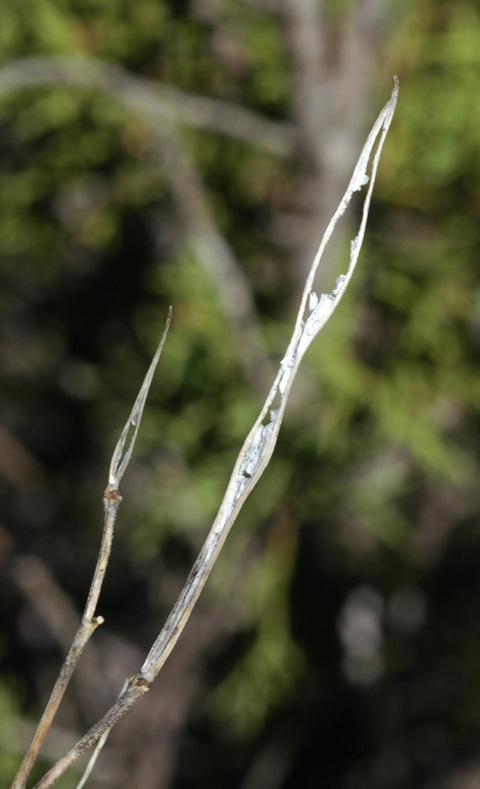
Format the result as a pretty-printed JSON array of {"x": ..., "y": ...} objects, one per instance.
[
  {"x": 306, "y": 33},
  {"x": 159, "y": 102},
  {"x": 332, "y": 65},
  {"x": 17, "y": 464},
  {"x": 48, "y": 600},
  {"x": 175, "y": 108},
  {"x": 273, "y": 761},
  {"x": 95, "y": 686},
  {"x": 216, "y": 256}
]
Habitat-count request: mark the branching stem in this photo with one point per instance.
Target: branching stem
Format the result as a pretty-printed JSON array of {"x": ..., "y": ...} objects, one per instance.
[
  {"x": 90, "y": 621},
  {"x": 314, "y": 312}
]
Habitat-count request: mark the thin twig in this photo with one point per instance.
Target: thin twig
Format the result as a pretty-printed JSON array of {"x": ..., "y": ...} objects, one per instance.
[
  {"x": 90, "y": 622},
  {"x": 258, "y": 447}
]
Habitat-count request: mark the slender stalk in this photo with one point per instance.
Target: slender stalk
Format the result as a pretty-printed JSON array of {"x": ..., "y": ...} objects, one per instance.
[
  {"x": 258, "y": 447},
  {"x": 90, "y": 621},
  {"x": 313, "y": 314}
]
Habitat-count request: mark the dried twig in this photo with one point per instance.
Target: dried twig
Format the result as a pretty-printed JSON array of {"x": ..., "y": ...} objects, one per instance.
[
  {"x": 258, "y": 447},
  {"x": 255, "y": 454},
  {"x": 90, "y": 622}
]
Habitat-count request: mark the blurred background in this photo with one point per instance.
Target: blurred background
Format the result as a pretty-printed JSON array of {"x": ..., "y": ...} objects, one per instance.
[{"x": 191, "y": 152}]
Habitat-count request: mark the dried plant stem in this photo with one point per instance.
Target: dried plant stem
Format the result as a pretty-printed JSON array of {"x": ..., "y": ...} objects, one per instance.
[
  {"x": 90, "y": 621},
  {"x": 86, "y": 629},
  {"x": 257, "y": 449}
]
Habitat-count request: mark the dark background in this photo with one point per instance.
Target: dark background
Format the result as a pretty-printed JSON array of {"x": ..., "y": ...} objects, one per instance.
[{"x": 191, "y": 153}]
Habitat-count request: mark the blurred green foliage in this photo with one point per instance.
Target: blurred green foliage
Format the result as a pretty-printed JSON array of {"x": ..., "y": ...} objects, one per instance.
[{"x": 374, "y": 481}]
